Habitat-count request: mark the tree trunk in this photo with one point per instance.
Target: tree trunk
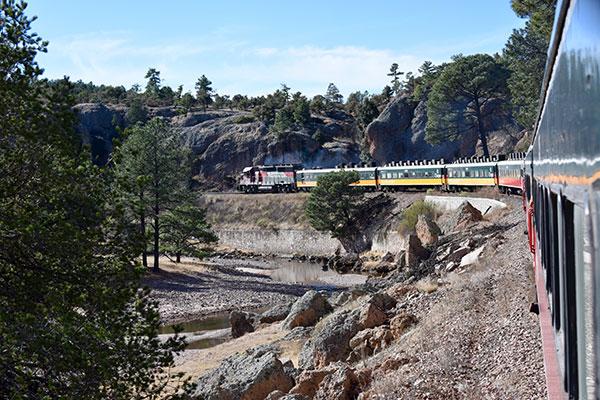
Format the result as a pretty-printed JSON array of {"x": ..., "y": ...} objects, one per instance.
[
  {"x": 480, "y": 129},
  {"x": 143, "y": 229},
  {"x": 156, "y": 267},
  {"x": 178, "y": 259}
]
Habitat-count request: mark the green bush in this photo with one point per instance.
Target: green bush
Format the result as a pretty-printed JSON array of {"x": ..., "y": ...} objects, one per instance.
[
  {"x": 244, "y": 119},
  {"x": 411, "y": 214}
]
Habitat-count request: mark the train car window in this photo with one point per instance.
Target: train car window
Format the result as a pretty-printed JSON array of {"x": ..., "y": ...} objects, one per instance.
[{"x": 567, "y": 245}]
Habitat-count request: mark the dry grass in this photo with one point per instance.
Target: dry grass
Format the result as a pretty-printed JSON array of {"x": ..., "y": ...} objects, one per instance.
[
  {"x": 426, "y": 286},
  {"x": 265, "y": 211}
]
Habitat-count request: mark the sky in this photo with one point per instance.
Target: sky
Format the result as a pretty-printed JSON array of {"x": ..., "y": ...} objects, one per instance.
[{"x": 253, "y": 46}]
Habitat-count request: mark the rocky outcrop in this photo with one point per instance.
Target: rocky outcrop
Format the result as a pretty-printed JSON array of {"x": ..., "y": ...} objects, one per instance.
[
  {"x": 241, "y": 323},
  {"x": 249, "y": 376},
  {"x": 463, "y": 217},
  {"x": 415, "y": 251},
  {"x": 307, "y": 310},
  {"x": 369, "y": 341},
  {"x": 97, "y": 125},
  {"x": 330, "y": 340},
  {"x": 343, "y": 384},
  {"x": 399, "y": 133},
  {"x": 427, "y": 230}
]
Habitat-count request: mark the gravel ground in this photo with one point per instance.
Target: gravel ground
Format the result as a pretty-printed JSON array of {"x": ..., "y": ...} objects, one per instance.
[
  {"x": 191, "y": 289},
  {"x": 476, "y": 338}
]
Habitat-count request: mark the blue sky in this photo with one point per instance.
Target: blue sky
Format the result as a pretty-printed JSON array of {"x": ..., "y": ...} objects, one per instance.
[{"x": 251, "y": 47}]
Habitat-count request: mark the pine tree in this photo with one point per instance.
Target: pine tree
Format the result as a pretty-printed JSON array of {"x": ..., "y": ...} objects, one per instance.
[
  {"x": 74, "y": 322},
  {"x": 152, "y": 168},
  {"x": 460, "y": 94},
  {"x": 333, "y": 96},
  {"x": 185, "y": 231},
  {"x": 204, "y": 92},
  {"x": 395, "y": 75}
]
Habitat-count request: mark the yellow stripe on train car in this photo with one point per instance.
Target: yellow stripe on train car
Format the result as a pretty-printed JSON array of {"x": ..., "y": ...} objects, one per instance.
[
  {"x": 472, "y": 181},
  {"x": 365, "y": 182},
  {"x": 306, "y": 184},
  {"x": 411, "y": 182}
]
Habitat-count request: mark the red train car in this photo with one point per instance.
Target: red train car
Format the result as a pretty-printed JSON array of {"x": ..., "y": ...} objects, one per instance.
[{"x": 510, "y": 176}]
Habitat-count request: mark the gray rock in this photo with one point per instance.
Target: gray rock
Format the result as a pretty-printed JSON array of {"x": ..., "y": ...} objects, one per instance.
[
  {"x": 415, "y": 252},
  {"x": 340, "y": 298},
  {"x": 248, "y": 376},
  {"x": 427, "y": 230},
  {"x": 241, "y": 323},
  {"x": 343, "y": 384},
  {"x": 276, "y": 313},
  {"x": 330, "y": 340},
  {"x": 307, "y": 310}
]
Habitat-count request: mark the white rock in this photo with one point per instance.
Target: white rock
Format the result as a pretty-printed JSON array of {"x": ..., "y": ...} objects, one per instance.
[{"x": 472, "y": 257}]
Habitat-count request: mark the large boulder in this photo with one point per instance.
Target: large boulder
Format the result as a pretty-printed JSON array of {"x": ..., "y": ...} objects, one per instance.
[
  {"x": 371, "y": 315},
  {"x": 330, "y": 340},
  {"x": 249, "y": 376},
  {"x": 307, "y": 310},
  {"x": 369, "y": 341},
  {"x": 346, "y": 263},
  {"x": 415, "y": 251},
  {"x": 343, "y": 384},
  {"x": 276, "y": 313},
  {"x": 241, "y": 323},
  {"x": 464, "y": 216},
  {"x": 427, "y": 230}
]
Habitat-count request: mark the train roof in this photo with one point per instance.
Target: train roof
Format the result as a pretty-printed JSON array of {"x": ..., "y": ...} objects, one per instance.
[
  {"x": 395, "y": 167},
  {"x": 478, "y": 164},
  {"x": 338, "y": 169},
  {"x": 511, "y": 162}
]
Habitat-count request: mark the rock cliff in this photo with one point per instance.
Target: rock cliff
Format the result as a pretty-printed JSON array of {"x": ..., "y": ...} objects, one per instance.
[{"x": 399, "y": 134}]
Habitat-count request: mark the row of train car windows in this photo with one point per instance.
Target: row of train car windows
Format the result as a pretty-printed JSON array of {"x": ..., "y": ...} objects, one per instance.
[
  {"x": 314, "y": 177},
  {"x": 476, "y": 173},
  {"x": 512, "y": 173},
  {"x": 410, "y": 174}
]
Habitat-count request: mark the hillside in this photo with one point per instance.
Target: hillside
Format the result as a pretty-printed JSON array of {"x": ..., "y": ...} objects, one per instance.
[{"x": 225, "y": 141}]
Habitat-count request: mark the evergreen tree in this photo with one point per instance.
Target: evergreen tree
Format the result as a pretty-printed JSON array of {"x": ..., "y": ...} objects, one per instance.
[
  {"x": 152, "y": 168},
  {"x": 153, "y": 85},
  {"x": 334, "y": 206},
  {"x": 333, "y": 96},
  {"x": 367, "y": 112},
  {"x": 460, "y": 94},
  {"x": 284, "y": 120},
  {"x": 74, "y": 323},
  {"x": 395, "y": 75},
  {"x": 186, "y": 102},
  {"x": 301, "y": 109},
  {"x": 204, "y": 92},
  {"x": 525, "y": 54},
  {"x": 136, "y": 112},
  {"x": 185, "y": 230},
  {"x": 318, "y": 104}
]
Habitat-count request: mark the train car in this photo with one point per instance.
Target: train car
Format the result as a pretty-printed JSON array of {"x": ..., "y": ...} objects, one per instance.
[
  {"x": 510, "y": 174},
  {"x": 468, "y": 175},
  {"x": 268, "y": 178},
  {"x": 563, "y": 198},
  {"x": 307, "y": 178},
  {"x": 410, "y": 175}
]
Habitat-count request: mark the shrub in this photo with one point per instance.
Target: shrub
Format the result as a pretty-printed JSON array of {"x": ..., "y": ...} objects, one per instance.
[
  {"x": 244, "y": 119},
  {"x": 411, "y": 214}
]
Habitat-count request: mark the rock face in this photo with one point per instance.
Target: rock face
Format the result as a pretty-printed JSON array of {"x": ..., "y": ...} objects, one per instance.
[
  {"x": 307, "y": 310},
  {"x": 330, "y": 340},
  {"x": 248, "y": 376},
  {"x": 370, "y": 341},
  {"x": 343, "y": 384},
  {"x": 399, "y": 134},
  {"x": 427, "y": 230},
  {"x": 97, "y": 127},
  {"x": 241, "y": 323}
]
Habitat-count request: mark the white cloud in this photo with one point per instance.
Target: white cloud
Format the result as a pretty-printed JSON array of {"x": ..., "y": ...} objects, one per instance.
[{"x": 233, "y": 66}]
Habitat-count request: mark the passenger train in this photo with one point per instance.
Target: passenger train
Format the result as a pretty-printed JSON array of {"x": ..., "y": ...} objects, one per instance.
[
  {"x": 559, "y": 178},
  {"x": 465, "y": 174}
]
